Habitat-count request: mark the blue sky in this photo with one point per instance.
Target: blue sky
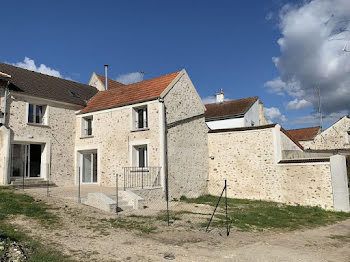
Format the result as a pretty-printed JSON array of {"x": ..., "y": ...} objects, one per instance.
[{"x": 221, "y": 44}]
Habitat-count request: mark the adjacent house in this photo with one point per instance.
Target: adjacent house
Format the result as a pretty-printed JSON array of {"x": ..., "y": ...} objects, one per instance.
[
  {"x": 225, "y": 114},
  {"x": 306, "y": 135}
]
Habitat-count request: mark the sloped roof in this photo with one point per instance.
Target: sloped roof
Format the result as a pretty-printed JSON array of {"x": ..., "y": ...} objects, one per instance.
[
  {"x": 229, "y": 108},
  {"x": 307, "y": 133},
  {"x": 45, "y": 86},
  {"x": 111, "y": 83},
  {"x": 129, "y": 94}
]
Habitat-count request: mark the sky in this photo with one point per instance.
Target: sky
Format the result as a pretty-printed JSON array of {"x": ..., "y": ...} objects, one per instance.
[{"x": 282, "y": 51}]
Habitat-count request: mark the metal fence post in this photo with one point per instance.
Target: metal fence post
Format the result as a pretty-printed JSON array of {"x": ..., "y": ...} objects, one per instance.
[
  {"x": 227, "y": 226},
  {"x": 48, "y": 180},
  {"x": 116, "y": 195},
  {"x": 79, "y": 200}
]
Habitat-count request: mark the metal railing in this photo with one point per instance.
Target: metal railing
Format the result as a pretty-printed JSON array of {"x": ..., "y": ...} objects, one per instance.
[{"x": 141, "y": 177}]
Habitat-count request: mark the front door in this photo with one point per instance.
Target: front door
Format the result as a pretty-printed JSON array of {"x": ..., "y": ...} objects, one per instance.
[
  {"x": 26, "y": 160},
  {"x": 89, "y": 167}
]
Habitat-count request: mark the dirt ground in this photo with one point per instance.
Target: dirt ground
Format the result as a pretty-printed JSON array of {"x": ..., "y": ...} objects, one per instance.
[{"x": 85, "y": 238}]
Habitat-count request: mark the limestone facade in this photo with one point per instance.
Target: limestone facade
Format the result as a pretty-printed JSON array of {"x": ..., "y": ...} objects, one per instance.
[
  {"x": 337, "y": 136},
  {"x": 56, "y": 135}
]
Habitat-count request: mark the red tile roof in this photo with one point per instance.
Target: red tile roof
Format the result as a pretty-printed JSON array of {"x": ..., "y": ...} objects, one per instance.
[
  {"x": 307, "y": 133},
  {"x": 130, "y": 94},
  {"x": 111, "y": 83},
  {"x": 229, "y": 108}
]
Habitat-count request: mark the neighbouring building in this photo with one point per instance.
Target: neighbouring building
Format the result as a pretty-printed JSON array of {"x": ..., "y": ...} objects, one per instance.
[
  {"x": 234, "y": 113},
  {"x": 335, "y": 137}
]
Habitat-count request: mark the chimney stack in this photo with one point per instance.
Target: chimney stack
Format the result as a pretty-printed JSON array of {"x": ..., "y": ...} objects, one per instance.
[
  {"x": 106, "y": 77},
  {"x": 220, "y": 97}
]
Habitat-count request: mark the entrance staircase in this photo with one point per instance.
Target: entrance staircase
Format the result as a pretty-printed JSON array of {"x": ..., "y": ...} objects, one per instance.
[{"x": 30, "y": 182}]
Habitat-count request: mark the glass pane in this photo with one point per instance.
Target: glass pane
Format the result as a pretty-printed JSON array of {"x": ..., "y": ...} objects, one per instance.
[
  {"x": 87, "y": 168},
  {"x": 140, "y": 118},
  {"x": 38, "y": 114},
  {"x": 35, "y": 160},
  {"x": 17, "y": 160},
  {"x": 89, "y": 127},
  {"x": 94, "y": 175},
  {"x": 141, "y": 157},
  {"x": 31, "y": 114}
]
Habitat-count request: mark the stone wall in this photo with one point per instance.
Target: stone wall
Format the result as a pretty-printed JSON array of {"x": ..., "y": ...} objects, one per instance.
[
  {"x": 247, "y": 159},
  {"x": 113, "y": 138},
  {"x": 186, "y": 140},
  {"x": 334, "y": 137},
  {"x": 58, "y": 135}
]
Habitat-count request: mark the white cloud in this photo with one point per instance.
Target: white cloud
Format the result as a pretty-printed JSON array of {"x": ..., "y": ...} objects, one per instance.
[
  {"x": 314, "y": 119},
  {"x": 212, "y": 99},
  {"x": 310, "y": 55},
  {"x": 30, "y": 65},
  {"x": 273, "y": 114},
  {"x": 130, "y": 78},
  {"x": 297, "y": 104}
]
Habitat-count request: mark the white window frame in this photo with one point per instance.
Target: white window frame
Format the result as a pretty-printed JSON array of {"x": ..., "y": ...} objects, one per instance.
[
  {"x": 135, "y": 118},
  {"x": 44, "y": 116},
  {"x": 85, "y": 126},
  {"x": 82, "y": 153},
  {"x": 136, "y": 157}
]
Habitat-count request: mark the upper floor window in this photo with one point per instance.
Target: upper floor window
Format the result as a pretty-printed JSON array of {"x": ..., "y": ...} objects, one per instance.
[
  {"x": 36, "y": 114},
  {"x": 87, "y": 126},
  {"x": 141, "y": 118}
]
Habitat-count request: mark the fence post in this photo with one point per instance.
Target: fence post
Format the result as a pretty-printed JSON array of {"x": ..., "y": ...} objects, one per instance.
[
  {"x": 227, "y": 226},
  {"x": 48, "y": 180},
  {"x": 124, "y": 178},
  {"x": 217, "y": 204},
  {"x": 79, "y": 200},
  {"x": 116, "y": 194}
]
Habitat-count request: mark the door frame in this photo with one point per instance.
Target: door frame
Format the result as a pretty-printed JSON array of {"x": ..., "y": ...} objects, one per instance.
[
  {"x": 81, "y": 162},
  {"x": 27, "y": 161}
]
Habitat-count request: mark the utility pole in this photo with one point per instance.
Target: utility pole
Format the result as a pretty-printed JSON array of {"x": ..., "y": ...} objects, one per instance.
[{"x": 319, "y": 105}]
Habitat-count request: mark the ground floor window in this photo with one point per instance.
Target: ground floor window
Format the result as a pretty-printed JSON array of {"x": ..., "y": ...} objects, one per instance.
[
  {"x": 89, "y": 167},
  {"x": 26, "y": 160},
  {"x": 140, "y": 156}
]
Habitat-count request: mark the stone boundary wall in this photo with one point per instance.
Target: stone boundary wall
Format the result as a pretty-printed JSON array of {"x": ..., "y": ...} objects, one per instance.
[{"x": 247, "y": 159}]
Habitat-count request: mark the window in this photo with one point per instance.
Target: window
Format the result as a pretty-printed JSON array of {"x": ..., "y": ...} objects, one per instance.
[
  {"x": 141, "y": 118},
  {"x": 140, "y": 156},
  {"x": 36, "y": 114},
  {"x": 87, "y": 126}
]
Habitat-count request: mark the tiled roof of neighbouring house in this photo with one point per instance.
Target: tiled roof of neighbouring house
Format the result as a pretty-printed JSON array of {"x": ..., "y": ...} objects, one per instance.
[
  {"x": 229, "y": 108},
  {"x": 111, "y": 83},
  {"x": 307, "y": 133},
  {"x": 129, "y": 94},
  {"x": 45, "y": 86}
]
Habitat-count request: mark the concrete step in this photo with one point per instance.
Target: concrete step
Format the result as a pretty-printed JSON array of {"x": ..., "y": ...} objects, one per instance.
[
  {"x": 106, "y": 203},
  {"x": 31, "y": 182}
]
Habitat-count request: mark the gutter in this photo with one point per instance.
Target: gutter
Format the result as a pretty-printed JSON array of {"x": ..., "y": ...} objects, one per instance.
[{"x": 165, "y": 148}]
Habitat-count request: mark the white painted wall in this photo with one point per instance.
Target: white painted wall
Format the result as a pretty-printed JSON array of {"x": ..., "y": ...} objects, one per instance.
[
  {"x": 227, "y": 123},
  {"x": 252, "y": 116}
]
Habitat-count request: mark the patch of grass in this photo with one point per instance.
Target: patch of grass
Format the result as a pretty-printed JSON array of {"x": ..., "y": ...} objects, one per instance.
[
  {"x": 256, "y": 215},
  {"x": 21, "y": 204},
  {"x": 13, "y": 204},
  {"x": 131, "y": 225},
  {"x": 163, "y": 216},
  {"x": 340, "y": 238}
]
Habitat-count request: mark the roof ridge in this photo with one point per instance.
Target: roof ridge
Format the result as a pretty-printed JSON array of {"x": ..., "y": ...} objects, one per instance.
[
  {"x": 234, "y": 100},
  {"x": 45, "y": 74},
  {"x": 303, "y": 128},
  {"x": 143, "y": 81}
]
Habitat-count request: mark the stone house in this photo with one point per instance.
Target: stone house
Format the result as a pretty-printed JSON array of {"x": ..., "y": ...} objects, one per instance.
[
  {"x": 69, "y": 132},
  {"x": 225, "y": 114},
  {"x": 335, "y": 137}
]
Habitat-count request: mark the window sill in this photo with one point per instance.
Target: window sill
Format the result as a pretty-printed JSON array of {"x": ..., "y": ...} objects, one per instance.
[
  {"x": 140, "y": 129},
  {"x": 35, "y": 124},
  {"x": 85, "y": 137}
]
